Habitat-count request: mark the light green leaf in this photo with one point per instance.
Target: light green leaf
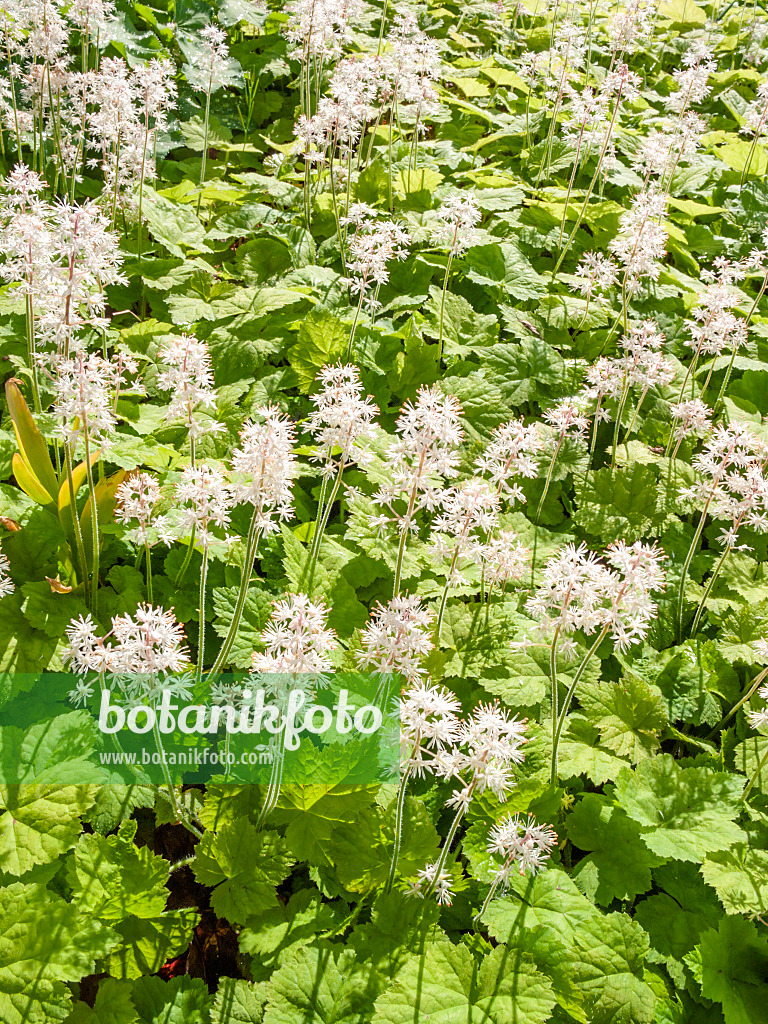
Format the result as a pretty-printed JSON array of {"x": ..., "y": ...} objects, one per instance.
[
  {"x": 732, "y": 966},
  {"x": 181, "y": 1000},
  {"x": 442, "y": 985},
  {"x": 740, "y": 878},
  {"x": 318, "y": 986},
  {"x": 322, "y": 339},
  {"x": 256, "y": 612},
  {"x": 46, "y": 943},
  {"x": 619, "y": 863},
  {"x": 244, "y": 866},
  {"x": 113, "y": 1005},
  {"x": 146, "y": 944},
  {"x": 687, "y": 812},
  {"x": 174, "y": 225},
  {"x": 111, "y": 878},
  {"x": 238, "y": 1002},
  {"x": 39, "y": 823},
  {"x": 628, "y": 716}
]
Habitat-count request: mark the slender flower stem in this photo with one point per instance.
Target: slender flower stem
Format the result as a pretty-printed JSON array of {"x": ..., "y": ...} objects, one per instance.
[
  {"x": 687, "y": 565},
  {"x": 94, "y": 527},
  {"x": 487, "y": 900},
  {"x": 568, "y": 697},
  {"x": 756, "y": 775},
  {"x": 273, "y": 789},
  {"x": 747, "y": 696},
  {"x": 201, "y": 613},
  {"x": 588, "y": 196},
  {"x": 727, "y": 377},
  {"x": 76, "y": 521},
  {"x": 399, "y": 812},
  {"x": 708, "y": 591},
  {"x": 446, "y": 849},
  {"x": 250, "y": 554},
  {"x": 171, "y": 795},
  {"x": 322, "y": 522},
  {"x": 205, "y": 141},
  {"x": 442, "y": 307},
  {"x": 553, "y": 680},
  {"x": 547, "y": 482},
  {"x": 148, "y": 561}
]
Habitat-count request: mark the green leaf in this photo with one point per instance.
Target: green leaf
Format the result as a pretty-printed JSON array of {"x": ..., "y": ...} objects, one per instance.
[
  {"x": 621, "y": 504},
  {"x": 619, "y": 863},
  {"x": 146, "y": 944},
  {"x": 592, "y": 957},
  {"x": 421, "y": 179},
  {"x": 362, "y": 852},
  {"x": 464, "y": 329},
  {"x": 111, "y": 878},
  {"x": 270, "y": 934},
  {"x": 46, "y": 944},
  {"x": 22, "y": 648},
  {"x": 172, "y": 224},
  {"x": 113, "y": 1005},
  {"x": 318, "y": 986},
  {"x": 49, "y": 611},
  {"x": 740, "y": 877},
  {"x": 238, "y": 1002},
  {"x": 581, "y": 754},
  {"x": 628, "y": 716},
  {"x": 244, "y": 866},
  {"x": 181, "y": 1000},
  {"x": 527, "y": 369},
  {"x": 735, "y": 155},
  {"x": 399, "y": 926},
  {"x": 732, "y": 966},
  {"x": 687, "y": 812},
  {"x": 502, "y": 265},
  {"x": 676, "y": 917},
  {"x": 443, "y": 986},
  {"x": 256, "y": 612},
  {"x": 195, "y": 136},
  {"x": 482, "y": 403},
  {"x": 322, "y": 339},
  {"x": 39, "y": 823},
  {"x": 313, "y": 812}
]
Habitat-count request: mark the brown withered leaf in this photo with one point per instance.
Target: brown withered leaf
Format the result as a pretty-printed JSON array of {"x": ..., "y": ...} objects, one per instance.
[
  {"x": 57, "y": 587},
  {"x": 9, "y": 524}
]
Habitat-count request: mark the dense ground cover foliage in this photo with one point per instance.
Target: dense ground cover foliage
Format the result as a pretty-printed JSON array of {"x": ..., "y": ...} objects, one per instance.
[{"x": 426, "y": 340}]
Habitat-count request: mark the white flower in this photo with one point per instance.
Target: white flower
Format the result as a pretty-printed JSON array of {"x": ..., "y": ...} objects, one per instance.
[
  {"x": 7, "y": 585},
  {"x": 370, "y": 250},
  {"x": 397, "y": 638},
  {"x": 459, "y": 215},
  {"x": 147, "y": 650},
  {"x": 521, "y": 844},
  {"x": 342, "y": 422},
  {"x": 423, "y": 454},
  {"x": 490, "y": 745},
  {"x": 429, "y": 727},
  {"x": 297, "y": 638},
  {"x": 504, "y": 558},
  {"x": 469, "y": 513},
  {"x": 84, "y": 391},
  {"x": 511, "y": 452},
  {"x": 428, "y": 879},
  {"x": 596, "y": 273},
  {"x": 136, "y": 499},
  {"x": 642, "y": 241},
  {"x": 204, "y": 501},
  {"x": 581, "y": 592},
  {"x": 264, "y": 467},
  {"x": 189, "y": 378}
]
